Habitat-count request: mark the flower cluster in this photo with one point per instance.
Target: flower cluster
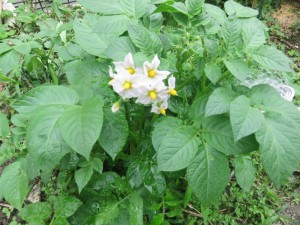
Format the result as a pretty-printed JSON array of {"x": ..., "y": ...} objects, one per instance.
[{"x": 145, "y": 83}]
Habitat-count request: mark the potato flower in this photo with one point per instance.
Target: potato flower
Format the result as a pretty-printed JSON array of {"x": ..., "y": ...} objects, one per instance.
[
  {"x": 147, "y": 84},
  {"x": 151, "y": 71}
]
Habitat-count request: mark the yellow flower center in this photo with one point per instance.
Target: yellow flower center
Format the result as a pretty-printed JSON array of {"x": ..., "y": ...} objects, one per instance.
[
  {"x": 131, "y": 70},
  {"x": 127, "y": 85},
  {"x": 152, "y": 95},
  {"x": 151, "y": 73},
  {"x": 162, "y": 111},
  {"x": 173, "y": 92}
]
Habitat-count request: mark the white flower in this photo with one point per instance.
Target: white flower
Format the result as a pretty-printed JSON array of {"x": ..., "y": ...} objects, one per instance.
[
  {"x": 127, "y": 67},
  {"x": 171, "y": 82},
  {"x": 159, "y": 108},
  {"x": 125, "y": 85},
  {"x": 116, "y": 107},
  {"x": 151, "y": 91},
  {"x": 150, "y": 70}
]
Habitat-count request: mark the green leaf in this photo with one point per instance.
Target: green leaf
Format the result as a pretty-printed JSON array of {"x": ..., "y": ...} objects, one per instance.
[
  {"x": 157, "y": 44},
  {"x": 246, "y": 12},
  {"x": 14, "y": 184},
  {"x": 231, "y": 33},
  {"x": 217, "y": 131},
  {"x": 270, "y": 58},
  {"x": 253, "y": 34},
  {"x": 136, "y": 209},
  {"x": 81, "y": 125},
  {"x": 83, "y": 176},
  {"x": 208, "y": 175},
  {"x": 157, "y": 219},
  {"x": 95, "y": 33},
  {"x": 114, "y": 132},
  {"x": 65, "y": 206},
  {"x": 177, "y": 7},
  {"x": 134, "y": 8},
  {"x": 177, "y": 149},
  {"x": 238, "y": 67},
  {"x": 219, "y": 101},
  {"x": 279, "y": 142},
  {"x": 245, "y": 120},
  {"x": 4, "y": 125},
  {"x": 37, "y": 212},
  {"x": 60, "y": 221},
  {"x": 8, "y": 61},
  {"x": 141, "y": 37},
  {"x": 163, "y": 127},
  {"x": 279, "y": 145},
  {"x": 244, "y": 172},
  {"x": 231, "y": 7},
  {"x": 45, "y": 96},
  {"x": 154, "y": 180},
  {"x": 97, "y": 165},
  {"x": 108, "y": 213},
  {"x": 118, "y": 49},
  {"x": 106, "y": 7},
  {"x": 44, "y": 139},
  {"x": 213, "y": 72},
  {"x": 6, "y": 153},
  {"x": 194, "y": 7},
  {"x": 216, "y": 13}
]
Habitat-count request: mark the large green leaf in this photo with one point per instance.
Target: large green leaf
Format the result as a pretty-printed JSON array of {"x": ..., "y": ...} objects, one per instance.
[
  {"x": 44, "y": 139},
  {"x": 106, "y": 7},
  {"x": 208, "y": 175},
  {"x": 4, "y": 125},
  {"x": 278, "y": 138},
  {"x": 194, "y": 7},
  {"x": 163, "y": 127},
  {"x": 170, "y": 6},
  {"x": 81, "y": 125},
  {"x": 279, "y": 147},
  {"x": 245, "y": 120},
  {"x": 270, "y": 58},
  {"x": 141, "y": 37},
  {"x": 14, "y": 184},
  {"x": 219, "y": 101},
  {"x": 8, "y": 61},
  {"x": 114, "y": 132},
  {"x": 238, "y": 67},
  {"x": 217, "y": 131},
  {"x": 44, "y": 96},
  {"x": 253, "y": 34},
  {"x": 177, "y": 149},
  {"x": 244, "y": 172},
  {"x": 213, "y": 72},
  {"x": 94, "y": 33}
]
